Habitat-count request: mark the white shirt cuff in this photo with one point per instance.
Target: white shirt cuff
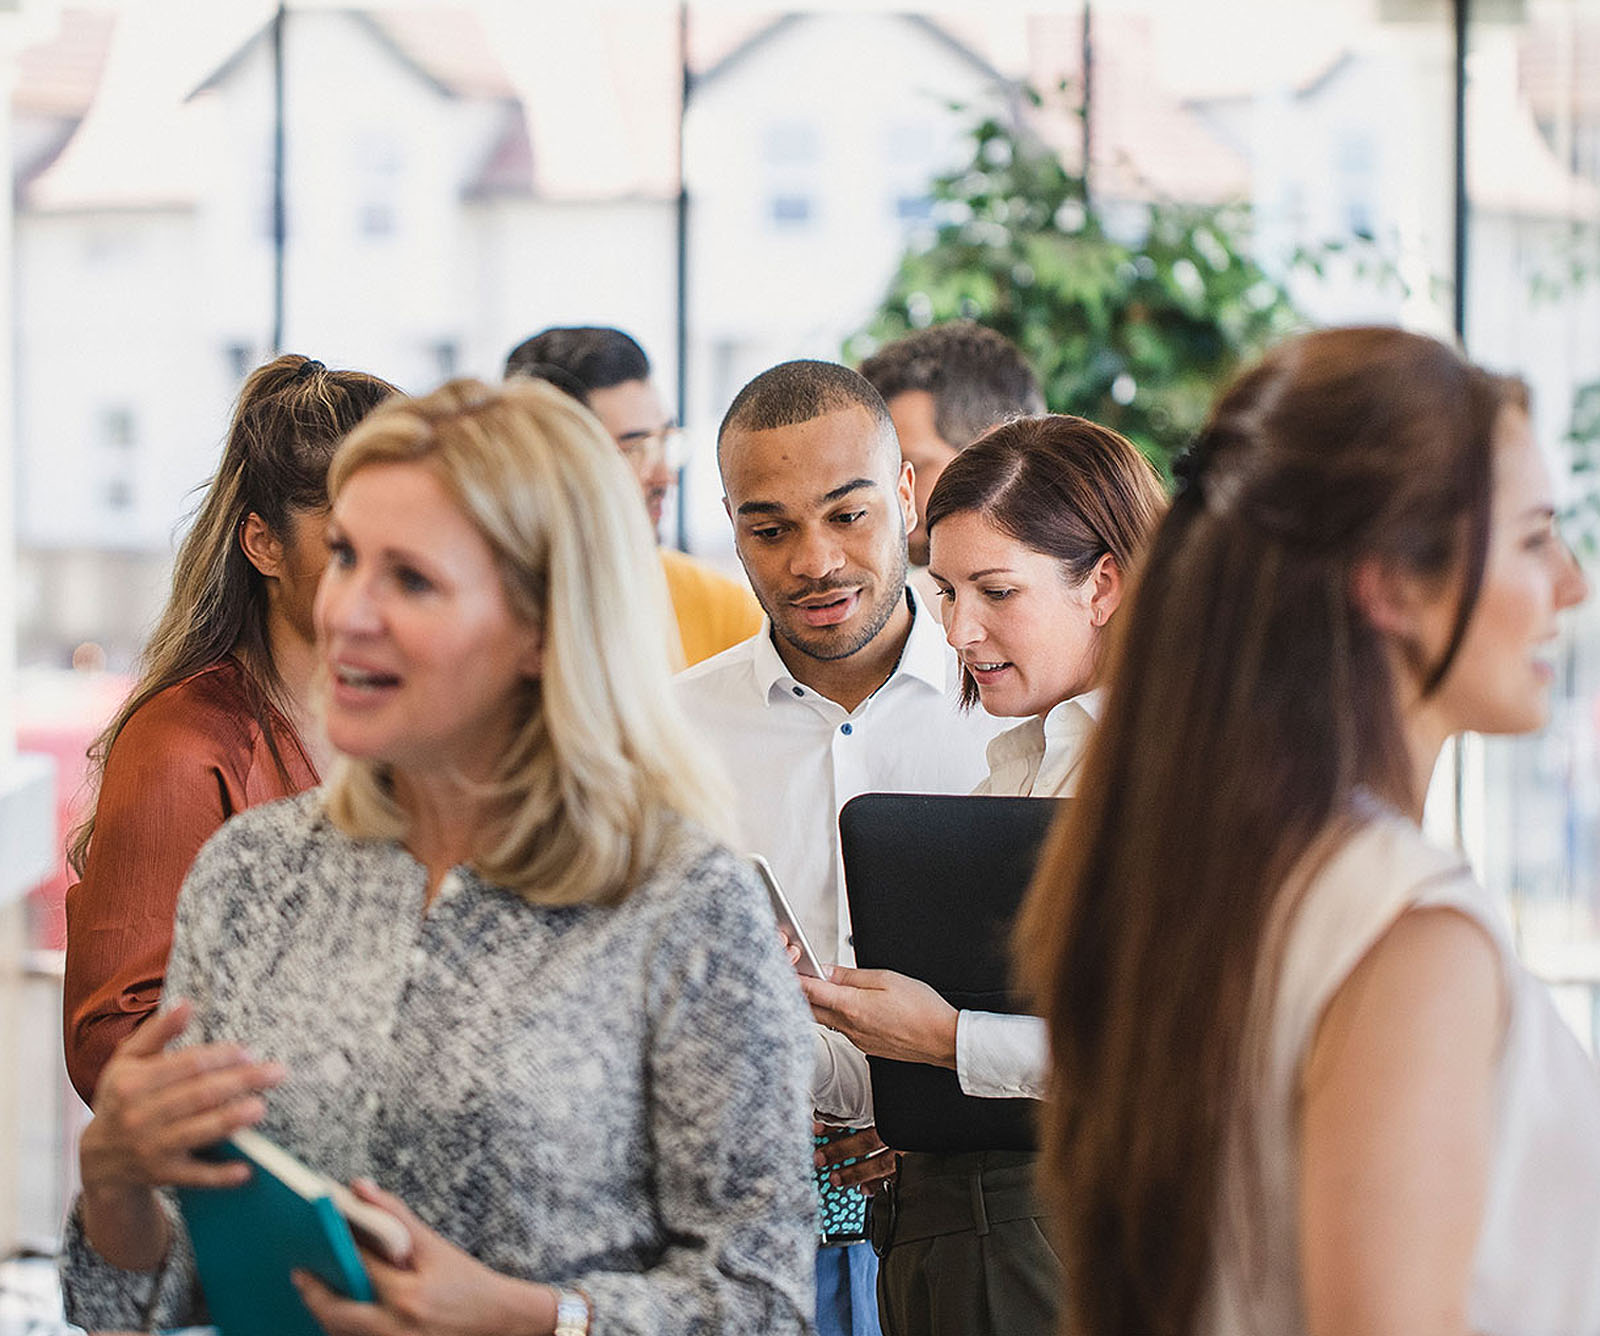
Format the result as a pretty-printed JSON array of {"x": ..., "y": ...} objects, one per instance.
[
  {"x": 841, "y": 1083},
  {"x": 1002, "y": 1057}
]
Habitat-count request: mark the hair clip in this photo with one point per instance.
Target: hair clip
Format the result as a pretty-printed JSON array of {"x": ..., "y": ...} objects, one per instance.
[
  {"x": 307, "y": 369},
  {"x": 1186, "y": 471}
]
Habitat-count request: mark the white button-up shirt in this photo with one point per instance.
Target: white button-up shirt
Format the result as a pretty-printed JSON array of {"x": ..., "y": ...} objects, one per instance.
[{"x": 796, "y": 758}]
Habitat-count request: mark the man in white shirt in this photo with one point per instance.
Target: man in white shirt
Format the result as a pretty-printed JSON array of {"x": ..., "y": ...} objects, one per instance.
[{"x": 848, "y": 687}]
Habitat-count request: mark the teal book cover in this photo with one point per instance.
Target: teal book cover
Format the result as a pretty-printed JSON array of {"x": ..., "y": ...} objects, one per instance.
[{"x": 248, "y": 1239}]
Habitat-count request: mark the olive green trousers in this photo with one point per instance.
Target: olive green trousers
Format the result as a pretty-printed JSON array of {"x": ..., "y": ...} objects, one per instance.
[{"x": 963, "y": 1248}]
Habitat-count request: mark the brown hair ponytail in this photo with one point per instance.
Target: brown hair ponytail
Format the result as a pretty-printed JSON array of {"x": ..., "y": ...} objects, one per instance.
[
  {"x": 1248, "y": 701},
  {"x": 291, "y": 415}
]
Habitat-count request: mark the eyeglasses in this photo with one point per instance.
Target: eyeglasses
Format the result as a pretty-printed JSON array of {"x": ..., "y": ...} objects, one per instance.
[{"x": 665, "y": 445}]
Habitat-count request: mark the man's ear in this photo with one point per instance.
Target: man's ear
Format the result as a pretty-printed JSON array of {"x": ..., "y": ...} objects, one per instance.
[
  {"x": 906, "y": 490},
  {"x": 1106, "y": 587},
  {"x": 262, "y": 548}
]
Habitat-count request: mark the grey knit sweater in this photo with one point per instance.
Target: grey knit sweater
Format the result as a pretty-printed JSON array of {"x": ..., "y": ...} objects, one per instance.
[{"x": 610, "y": 1097}]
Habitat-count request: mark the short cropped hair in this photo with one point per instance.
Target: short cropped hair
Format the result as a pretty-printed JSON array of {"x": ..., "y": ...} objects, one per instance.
[
  {"x": 599, "y": 764},
  {"x": 595, "y": 356},
  {"x": 794, "y": 392},
  {"x": 977, "y": 377}
]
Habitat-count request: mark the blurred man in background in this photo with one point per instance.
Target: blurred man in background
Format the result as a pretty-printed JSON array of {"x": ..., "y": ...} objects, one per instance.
[
  {"x": 946, "y": 386},
  {"x": 607, "y": 370}
]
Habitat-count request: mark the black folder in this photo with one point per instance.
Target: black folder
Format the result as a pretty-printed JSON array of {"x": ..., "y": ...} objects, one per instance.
[{"x": 934, "y": 882}]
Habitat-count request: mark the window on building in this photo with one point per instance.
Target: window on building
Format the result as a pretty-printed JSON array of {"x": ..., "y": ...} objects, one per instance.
[
  {"x": 791, "y": 144},
  {"x": 791, "y": 153},
  {"x": 913, "y": 208},
  {"x": 1357, "y": 171},
  {"x": 118, "y": 427},
  {"x": 790, "y": 210},
  {"x": 378, "y": 176},
  {"x": 910, "y": 161}
]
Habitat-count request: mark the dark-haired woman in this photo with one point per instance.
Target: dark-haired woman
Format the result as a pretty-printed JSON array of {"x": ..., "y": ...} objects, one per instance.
[
  {"x": 218, "y": 720},
  {"x": 1034, "y": 532},
  {"x": 1301, "y": 1083}
]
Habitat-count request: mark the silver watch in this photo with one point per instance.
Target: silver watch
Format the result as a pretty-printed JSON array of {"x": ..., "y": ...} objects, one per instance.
[{"x": 572, "y": 1313}]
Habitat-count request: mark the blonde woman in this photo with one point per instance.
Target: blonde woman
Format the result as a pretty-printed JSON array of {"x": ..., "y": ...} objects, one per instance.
[
  {"x": 219, "y": 720},
  {"x": 500, "y": 963}
]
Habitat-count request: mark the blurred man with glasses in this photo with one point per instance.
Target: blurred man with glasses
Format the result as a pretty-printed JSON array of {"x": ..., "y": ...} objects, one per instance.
[{"x": 607, "y": 370}]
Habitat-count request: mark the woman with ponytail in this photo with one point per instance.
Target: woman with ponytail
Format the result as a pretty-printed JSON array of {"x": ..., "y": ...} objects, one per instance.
[
  {"x": 1300, "y": 1082},
  {"x": 218, "y": 719}
]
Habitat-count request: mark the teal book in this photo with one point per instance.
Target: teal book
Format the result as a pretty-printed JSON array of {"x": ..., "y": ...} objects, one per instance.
[{"x": 248, "y": 1239}]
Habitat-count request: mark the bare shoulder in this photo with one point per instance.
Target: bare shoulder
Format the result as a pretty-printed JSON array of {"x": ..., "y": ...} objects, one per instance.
[{"x": 1433, "y": 978}]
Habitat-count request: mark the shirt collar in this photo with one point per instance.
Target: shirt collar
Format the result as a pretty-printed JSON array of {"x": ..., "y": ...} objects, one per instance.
[
  {"x": 925, "y": 656},
  {"x": 1066, "y": 717},
  {"x": 1064, "y": 723},
  {"x": 922, "y": 658},
  {"x": 767, "y": 664}
]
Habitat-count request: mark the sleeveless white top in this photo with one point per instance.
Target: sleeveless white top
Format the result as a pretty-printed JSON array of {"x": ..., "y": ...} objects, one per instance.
[{"x": 1537, "y": 1271}]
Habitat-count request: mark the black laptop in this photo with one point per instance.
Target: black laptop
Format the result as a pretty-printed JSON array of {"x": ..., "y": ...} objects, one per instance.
[{"x": 934, "y": 883}]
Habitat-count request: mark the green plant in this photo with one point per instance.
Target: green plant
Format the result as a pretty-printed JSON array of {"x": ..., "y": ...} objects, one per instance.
[
  {"x": 1582, "y": 439},
  {"x": 1134, "y": 331}
]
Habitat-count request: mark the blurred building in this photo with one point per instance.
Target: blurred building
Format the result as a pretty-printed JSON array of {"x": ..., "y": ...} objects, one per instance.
[
  {"x": 415, "y": 248},
  {"x": 457, "y": 177}
]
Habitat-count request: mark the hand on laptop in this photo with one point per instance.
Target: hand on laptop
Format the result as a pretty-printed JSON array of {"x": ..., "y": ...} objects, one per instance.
[{"x": 886, "y": 1015}]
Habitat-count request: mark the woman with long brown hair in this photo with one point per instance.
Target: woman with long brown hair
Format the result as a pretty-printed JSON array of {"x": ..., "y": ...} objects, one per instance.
[
  {"x": 218, "y": 719},
  {"x": 1300, "y": 1082}
]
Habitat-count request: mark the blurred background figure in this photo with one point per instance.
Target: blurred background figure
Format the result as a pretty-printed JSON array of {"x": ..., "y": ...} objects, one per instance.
[
  {"x": 1301, "y": 1082},
  {"x": 221, "y": 717},
  {"x": 946, "y": 386},
  {"x": 608, "y": 371}
]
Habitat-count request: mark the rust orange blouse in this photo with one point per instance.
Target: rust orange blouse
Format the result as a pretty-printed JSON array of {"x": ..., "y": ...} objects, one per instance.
[{"x": 187, "y": 760}]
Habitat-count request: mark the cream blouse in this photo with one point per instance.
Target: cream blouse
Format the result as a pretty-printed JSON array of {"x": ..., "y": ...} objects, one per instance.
[
  {"x": 998, "y": 1056},
  {"x": 1008, "y": 1057},
  {"x": 1537, "y": 1269}
]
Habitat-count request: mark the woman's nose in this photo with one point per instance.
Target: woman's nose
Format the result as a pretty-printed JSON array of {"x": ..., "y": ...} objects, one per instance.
[{"x": 961, "y": 626}]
